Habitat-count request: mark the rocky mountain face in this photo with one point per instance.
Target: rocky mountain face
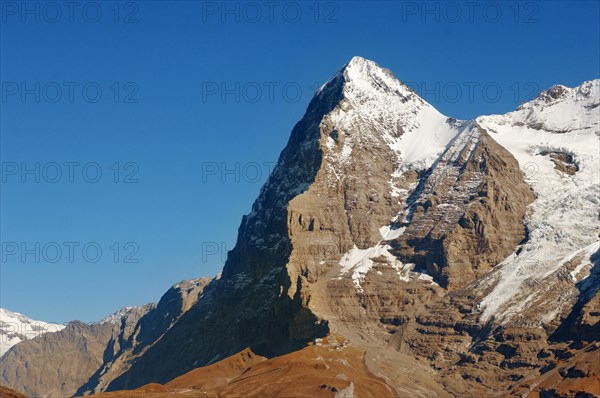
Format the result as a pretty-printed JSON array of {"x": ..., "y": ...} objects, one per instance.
[
  {"x": 256, "y": 301},
  {"x": 133, "y": 338},
  {"x": 80, "y": 357},
  {"x": 453, "y": 257}
]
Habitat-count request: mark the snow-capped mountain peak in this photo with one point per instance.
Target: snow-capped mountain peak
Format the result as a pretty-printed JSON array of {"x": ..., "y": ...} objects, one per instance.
[
  {"x": 364, "y": 76},
  {"x": 376, "y": 108},
  {"x": 588, "y": 92},
  {"x": 559, "y": 109},
  {"x": 363, "y": 79},
  {"x": 16, "y": 327}
]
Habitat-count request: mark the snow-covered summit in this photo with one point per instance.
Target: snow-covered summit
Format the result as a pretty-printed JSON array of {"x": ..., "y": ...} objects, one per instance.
[
  {"x": 16, "y": 327},
  {"x": 363, "y": 79},
  {"x": 587, "y": 93},
  {"x": 364, "y": 76},
  {"x": 559, "y": 109},
  {"x": 377, "y": 108}
]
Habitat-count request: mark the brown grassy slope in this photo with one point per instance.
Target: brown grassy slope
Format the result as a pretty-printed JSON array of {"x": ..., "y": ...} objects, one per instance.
[{"x": 319, "y": 370}]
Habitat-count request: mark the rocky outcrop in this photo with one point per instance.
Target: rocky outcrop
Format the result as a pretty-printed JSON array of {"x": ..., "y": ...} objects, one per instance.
[
  {"x": 467, "y": 212},
  {"x": 564, "y": 162},
  {"x": 575, "y": 373}
]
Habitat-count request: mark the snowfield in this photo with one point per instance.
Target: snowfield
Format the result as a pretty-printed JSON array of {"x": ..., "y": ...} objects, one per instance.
[{"x": 563, "y": 221}]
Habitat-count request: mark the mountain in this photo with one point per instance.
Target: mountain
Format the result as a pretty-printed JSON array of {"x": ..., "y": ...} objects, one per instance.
[
  {"x": 86, "y": 354},
  {"x": 445, "y": 257},
  {"x": 77, "y": 350},
  {"x": 134, "y": 338},
  {"x": 15, "y": 327}
]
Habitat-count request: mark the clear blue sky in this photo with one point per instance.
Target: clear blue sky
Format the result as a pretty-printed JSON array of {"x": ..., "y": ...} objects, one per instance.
[{"x": 164, "y": 116}]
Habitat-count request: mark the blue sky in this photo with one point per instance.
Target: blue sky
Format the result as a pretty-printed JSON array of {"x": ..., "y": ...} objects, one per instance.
[{"x": 184, "y": 106}]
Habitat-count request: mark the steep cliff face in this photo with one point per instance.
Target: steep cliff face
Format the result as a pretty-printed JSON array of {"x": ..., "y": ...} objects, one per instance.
[
  {"x": 331, "y": 191},
  {"x": 466, "y": 215},
  {"x": 256, "y": 302}
]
